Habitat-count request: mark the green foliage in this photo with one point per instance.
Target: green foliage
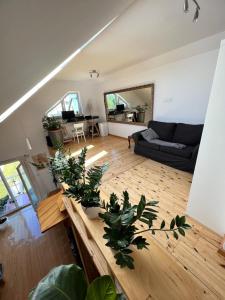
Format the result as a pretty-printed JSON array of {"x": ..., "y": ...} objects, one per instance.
[
  {"x": 3, "y": 202},
  {"x": 68, "y": 282},
  {"x": 121, "y": 231},
  {"x": 51, "y": 123},
  {"x": 83, "y": 185},
  {"x": 142, "y": 108},
  {"x": 102, "y": 288}
]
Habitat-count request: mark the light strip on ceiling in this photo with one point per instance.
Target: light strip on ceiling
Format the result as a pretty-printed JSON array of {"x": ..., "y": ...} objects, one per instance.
[{"x": 40, "y": 84}]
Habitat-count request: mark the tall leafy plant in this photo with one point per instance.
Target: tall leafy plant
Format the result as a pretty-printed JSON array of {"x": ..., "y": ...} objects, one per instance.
[
  {"x": 121, "y": 230},
  {"x": 51, "y": 123},
  {"x": 68, "y": 282},
  {"x": 83, "y": 185}
]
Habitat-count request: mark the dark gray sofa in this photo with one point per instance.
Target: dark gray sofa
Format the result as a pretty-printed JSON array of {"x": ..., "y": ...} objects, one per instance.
[{"x": 182, "y": 159}]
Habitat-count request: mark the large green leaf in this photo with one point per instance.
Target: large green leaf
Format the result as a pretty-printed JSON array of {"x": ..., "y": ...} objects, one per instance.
[
  {"x": 62, "y": 283},
  {"x": 102, "y": 288}
]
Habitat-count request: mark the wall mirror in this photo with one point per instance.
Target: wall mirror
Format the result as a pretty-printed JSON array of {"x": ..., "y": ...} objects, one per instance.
[{"x": 132, "y": 105}]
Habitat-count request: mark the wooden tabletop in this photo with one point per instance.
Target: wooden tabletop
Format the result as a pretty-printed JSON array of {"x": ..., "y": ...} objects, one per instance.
[
  {"x": 51, "y": 211},
  {"x": 157, "y": 275}
]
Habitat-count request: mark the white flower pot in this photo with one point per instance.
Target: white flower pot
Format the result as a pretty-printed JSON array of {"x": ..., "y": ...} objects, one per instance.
[
  {"x": 4, "y": 225},
  {"x": 92, "y": 212}
]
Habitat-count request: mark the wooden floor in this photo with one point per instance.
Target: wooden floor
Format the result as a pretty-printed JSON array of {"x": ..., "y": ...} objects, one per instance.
[
  {"x": 197, "y": 253},
  {"x": 28, "y": 255}
]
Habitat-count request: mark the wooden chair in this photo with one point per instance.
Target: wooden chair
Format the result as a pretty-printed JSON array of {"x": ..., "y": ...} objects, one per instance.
[
  {"x": 78, "y": 132},
  {"x": 93, "y": 128}
]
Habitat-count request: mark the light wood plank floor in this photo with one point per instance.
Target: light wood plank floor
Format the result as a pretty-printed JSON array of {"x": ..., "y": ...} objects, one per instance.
[
  {"x": 28, "y": 255},
  {"x": 197, "y": 253}
]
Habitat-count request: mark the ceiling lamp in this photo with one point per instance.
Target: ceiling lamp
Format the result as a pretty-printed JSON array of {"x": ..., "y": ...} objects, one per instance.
[
  {"x": 94, "y": 74},
  {"x": 197, "y": 9}
]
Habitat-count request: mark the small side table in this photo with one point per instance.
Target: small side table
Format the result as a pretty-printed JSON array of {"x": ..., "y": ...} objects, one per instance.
[{"x": 129, "y": 139}]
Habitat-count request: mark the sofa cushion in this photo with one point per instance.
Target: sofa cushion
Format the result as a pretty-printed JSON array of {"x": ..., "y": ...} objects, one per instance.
[
  {"x": 167, "y": 144},
  {"x": 188, "y": 134},
  {"x": 185, "y": 152},
  {"x": 164, "y": 130},
  {"x": 149, "y": 134},
  {"x": 148, "y": 145}
]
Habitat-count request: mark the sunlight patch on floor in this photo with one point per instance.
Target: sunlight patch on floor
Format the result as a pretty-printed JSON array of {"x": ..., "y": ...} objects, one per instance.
[
  {"x": 95, "y": 157},
  {"x": 76, "y": 153}
]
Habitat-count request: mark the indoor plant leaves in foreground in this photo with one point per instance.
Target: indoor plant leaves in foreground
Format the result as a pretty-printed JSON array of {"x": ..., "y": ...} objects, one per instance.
[{"x": 67, "y": 282}]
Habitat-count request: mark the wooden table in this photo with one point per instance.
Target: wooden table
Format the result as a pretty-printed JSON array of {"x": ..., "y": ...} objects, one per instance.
[
  {"x": 51, "y": 211},
  {"x": 157, "y": 275}
]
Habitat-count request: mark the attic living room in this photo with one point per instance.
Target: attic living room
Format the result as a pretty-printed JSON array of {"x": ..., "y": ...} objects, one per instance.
[{"x": 111, "y": 157}]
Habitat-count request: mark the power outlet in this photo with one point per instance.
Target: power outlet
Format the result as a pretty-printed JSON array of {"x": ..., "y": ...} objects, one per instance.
[{"x": 168, "y": 100}]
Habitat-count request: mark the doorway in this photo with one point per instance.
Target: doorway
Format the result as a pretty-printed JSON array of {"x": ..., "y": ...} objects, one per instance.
[{"x": 16, "y": 190}]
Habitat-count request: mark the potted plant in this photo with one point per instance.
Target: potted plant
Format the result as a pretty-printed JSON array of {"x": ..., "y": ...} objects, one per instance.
[
  {"x": 122, "y": 233},
  {"x": 3, "y": 223},
  {"x": 68, "y": 282},
  {"x": 83, "y": 185},
  {"x": 141, "y": 112},
  {"x": 3, "y": 202},
  {"x": 53, "y": 126}
]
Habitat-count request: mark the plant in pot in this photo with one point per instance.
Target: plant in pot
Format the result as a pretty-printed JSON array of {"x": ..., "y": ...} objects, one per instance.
[
  {"x": 141, "y": 112},
  {"x": 54, "y": 128},
  {"x": 3, "y": 220},
  {"x": 68, "y": 282},
  {"x": 121, "y": 231},
  {"x": 83, "y": 185}
]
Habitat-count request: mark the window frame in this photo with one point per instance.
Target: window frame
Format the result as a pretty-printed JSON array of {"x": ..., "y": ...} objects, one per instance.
[{"x": 61, "y": 100}]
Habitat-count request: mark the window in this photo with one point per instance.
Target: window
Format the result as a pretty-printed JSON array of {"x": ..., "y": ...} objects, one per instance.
[
  {"x": 69, "y": 102},
  {"x": 113, "y": 100}
]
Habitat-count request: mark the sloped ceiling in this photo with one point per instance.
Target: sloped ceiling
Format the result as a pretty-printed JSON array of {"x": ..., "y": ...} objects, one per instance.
[
  {"x": 37, "y": 35},
  {"x": 147, "y": 29}
]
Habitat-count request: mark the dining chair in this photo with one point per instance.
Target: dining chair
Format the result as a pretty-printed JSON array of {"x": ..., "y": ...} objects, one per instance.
[{"x": 78, "y": 132}]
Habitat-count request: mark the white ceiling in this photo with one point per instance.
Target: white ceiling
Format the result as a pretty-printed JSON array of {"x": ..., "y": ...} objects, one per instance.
[
  {"x": 38, "y": 35},
  {"x": 148, "y": 28}
]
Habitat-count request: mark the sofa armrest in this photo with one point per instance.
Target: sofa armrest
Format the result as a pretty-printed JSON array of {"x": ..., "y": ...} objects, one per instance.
[
  {"x": 195, "y": 153},
  {"x": 137, "y": 136}
]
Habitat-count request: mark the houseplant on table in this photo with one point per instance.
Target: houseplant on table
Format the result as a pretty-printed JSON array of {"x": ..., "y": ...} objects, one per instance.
[
  {"x": 54, "y": 129},
  {"x": 122, "y": 233},
  {"x": 68, "y": 282},
  {"x": 83, "y": 185},
  {"x": 141, "y": 112},
  {"x": 3, "y": 220}
]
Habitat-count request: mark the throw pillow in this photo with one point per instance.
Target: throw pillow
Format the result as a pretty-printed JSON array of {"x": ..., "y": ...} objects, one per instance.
[{"x": 149, "y": 134}]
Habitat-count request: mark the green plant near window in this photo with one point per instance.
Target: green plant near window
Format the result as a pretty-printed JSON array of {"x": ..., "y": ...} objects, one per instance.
[
  {"x": 68, "y": 282},
  {"x": 51, "y": 123},
  {"x": 83, "y": 184},
  {"x": 121, "y": 233},
  {"x": 3, "y": 202}
]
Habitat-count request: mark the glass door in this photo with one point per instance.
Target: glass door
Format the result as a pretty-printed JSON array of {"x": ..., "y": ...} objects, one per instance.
[
  {"x": 7, "y": 202},
  {"x": 27, "y": 185},
  {"x": 15, "y": 188}
]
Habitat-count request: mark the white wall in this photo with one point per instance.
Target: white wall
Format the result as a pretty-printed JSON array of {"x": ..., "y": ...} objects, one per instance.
[
  {"x": 207, "y": 203},
  {"x": 182, "y": 77},
  {"x": 124, "y": 130},
  {"x": 181, "y": 88},
  {"x": 26, "y": 122}
]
